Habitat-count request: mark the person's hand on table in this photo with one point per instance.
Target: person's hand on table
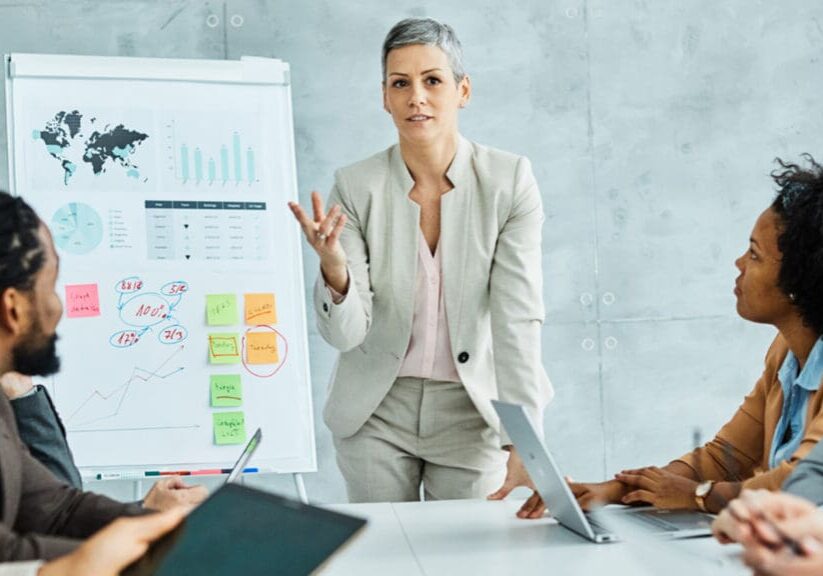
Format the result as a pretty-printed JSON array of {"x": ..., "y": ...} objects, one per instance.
[
  {"x": 15, "y": 384},
  {"x": 323, "y": 233},
  {"x": 114, "y": 547},
  {"x": 738, "y": 520},
  {"x": 766, "y": 550},
  {"x": 658, "y": 487},
  {"x": 597, "y": 493},
  {"x": 516, "y": 475},
  {"x": 172, "y": 492}
]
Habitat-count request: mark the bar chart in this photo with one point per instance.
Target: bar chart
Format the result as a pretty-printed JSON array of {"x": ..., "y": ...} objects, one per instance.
[{"x": 200, "y": 159}]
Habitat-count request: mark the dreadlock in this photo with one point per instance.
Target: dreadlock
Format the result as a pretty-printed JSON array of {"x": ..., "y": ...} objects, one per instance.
[{"x": 21, "y": 252}]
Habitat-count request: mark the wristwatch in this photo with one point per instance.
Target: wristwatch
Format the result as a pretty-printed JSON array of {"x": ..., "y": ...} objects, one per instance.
[{"x": 702, "y": 492}]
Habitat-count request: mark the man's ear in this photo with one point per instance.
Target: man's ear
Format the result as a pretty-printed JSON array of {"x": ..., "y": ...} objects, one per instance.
[{"x": 15, "y": 307}]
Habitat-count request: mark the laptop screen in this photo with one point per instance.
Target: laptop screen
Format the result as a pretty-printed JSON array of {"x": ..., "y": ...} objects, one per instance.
[
  {"x": 240, "y": 465},
  {"x": 240, "y": 530}
]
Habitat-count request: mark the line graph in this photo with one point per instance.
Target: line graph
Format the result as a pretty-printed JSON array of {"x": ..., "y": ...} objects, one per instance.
[{"x": 100, "y": 405}]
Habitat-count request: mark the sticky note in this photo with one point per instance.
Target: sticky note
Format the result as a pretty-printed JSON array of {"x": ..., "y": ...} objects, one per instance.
[
  {"x": 260, "y": 309},
  {"x": 82, "y": 301},
  {"x": 261, "y": 348},
  {"x": 229, "y": 428},
  {"x": 224, "y": 348},
  {"x": 221, "y": 309},
  {"x": 226, "y": 390}
]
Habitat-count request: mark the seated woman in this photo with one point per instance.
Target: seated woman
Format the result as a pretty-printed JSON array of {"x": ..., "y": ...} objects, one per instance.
[{"x": 781, "y": 420}]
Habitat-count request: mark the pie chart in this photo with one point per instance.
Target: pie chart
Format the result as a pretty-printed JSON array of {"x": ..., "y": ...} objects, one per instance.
[{"x": 77, "y": 228}]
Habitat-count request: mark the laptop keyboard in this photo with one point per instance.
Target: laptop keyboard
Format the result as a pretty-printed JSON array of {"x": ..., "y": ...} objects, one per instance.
[{"x": 655, "y": 522}]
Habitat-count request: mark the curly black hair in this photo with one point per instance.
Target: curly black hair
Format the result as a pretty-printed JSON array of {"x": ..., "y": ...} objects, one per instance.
[
  {"x": 799, "y": 206},
  {"x": 22, "y": 254}
]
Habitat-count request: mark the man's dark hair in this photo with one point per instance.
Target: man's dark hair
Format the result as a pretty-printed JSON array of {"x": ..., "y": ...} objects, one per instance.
[
  {"x": 22, "y": 254},
  {"x": 799, "y": 206}
]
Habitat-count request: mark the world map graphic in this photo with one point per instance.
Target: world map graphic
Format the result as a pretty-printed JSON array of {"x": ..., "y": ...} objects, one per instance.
[{"x": 107, "y": 145}]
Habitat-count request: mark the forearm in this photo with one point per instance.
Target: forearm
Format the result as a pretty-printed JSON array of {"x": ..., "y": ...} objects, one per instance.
[{"x": 682, "y": 469}]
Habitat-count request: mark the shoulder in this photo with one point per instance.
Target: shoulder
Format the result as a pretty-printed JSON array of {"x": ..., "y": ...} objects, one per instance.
[
  {"x": 374, "y": 168},
  {"x": 502, "y": 174},
  {"x": 778, "y": 350},
  {"x": 488, "y": 161}
]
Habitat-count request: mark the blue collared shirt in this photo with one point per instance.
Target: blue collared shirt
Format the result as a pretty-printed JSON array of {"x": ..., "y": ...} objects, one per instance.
[{"x": 797, "y": 388}]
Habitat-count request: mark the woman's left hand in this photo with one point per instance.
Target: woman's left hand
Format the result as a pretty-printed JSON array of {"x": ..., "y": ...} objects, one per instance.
[
  {"x": 659, "y": 488},
  {"x": 516, "y": 475}
]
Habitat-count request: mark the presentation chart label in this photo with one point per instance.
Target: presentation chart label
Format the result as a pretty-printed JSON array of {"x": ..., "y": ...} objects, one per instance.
[{"x": 195, "y": 230}]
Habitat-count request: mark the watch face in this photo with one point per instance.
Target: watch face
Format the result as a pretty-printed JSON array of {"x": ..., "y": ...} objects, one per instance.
[{"x": 703, "y": 489}]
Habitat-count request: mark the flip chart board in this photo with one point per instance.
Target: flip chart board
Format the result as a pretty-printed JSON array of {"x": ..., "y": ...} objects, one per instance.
[{"x": 164, "y": 184}]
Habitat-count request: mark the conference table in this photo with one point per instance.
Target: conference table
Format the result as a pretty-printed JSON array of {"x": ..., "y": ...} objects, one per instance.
[{"x": 479, "y": 537}]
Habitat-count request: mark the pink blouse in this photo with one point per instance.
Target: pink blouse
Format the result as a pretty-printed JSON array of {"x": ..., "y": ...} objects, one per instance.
[
  {"x": 429, "y": 354},
  {"x": 430, "y": 350}
]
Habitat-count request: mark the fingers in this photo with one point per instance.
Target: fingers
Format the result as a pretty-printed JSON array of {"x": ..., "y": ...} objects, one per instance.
[
  {"x": 639, "y": 496},
  {"x": 173, "y": 483},
  {"x": 301, "y": 216},
  {"x": 317, "y": 206},
  {"x": 338, "y": 228},
  {"x": 328, "y": 224},
  {"x": 577, "y": 489},
  {"x": 509, "y": 484},
  {"x": 641, "y": 480},
  {"x": 532, "y": 508},
  {"x": 149, "y": 527},
  {"x": 503, "y": 491}
]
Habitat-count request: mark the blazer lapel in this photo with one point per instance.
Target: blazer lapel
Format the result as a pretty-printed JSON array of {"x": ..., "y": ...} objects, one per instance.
[
  {"x": 455, "y": 219},
  {"x": 402, "y": 240}
]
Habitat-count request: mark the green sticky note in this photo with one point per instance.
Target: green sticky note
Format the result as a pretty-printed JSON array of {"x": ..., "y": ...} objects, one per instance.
[
  {"x": 229, "y": 428},
  {"x": 224, "y": 348},
  {"x": 221, "y": 309},
  {"x": 226, "y": 390}
]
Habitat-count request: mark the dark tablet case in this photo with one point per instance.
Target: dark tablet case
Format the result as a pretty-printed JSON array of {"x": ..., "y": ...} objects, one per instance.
[{"x": 240, "y": 530}]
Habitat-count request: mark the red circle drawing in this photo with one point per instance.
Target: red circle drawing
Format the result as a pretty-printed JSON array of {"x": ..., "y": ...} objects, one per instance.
[{"x": 282, "y": 360}]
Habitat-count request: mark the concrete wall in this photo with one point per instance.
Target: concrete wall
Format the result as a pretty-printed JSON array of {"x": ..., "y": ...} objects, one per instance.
[{"x": 651, "y": 126}]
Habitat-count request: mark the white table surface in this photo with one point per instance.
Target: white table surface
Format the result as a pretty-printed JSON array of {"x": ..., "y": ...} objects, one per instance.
[{"x": 479, "y": 537}]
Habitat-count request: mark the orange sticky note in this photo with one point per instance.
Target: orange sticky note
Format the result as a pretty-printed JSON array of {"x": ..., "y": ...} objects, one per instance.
[
  {"x": 261, "y": 348},
  {"x": 260, "y": 309},
  {"x": 82, "y": 301}
]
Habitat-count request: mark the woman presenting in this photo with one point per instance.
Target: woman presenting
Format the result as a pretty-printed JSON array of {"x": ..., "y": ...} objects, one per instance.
[{"x": 431, "y": 288}]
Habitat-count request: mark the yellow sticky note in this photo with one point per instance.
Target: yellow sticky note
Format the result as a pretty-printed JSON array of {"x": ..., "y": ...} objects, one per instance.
[
  {"x": 221, "y": 309},
  {"x": 261, "y": 348},
  {"x": 224, "y": 349},
  {"x": 229, "y": 428},
  {"x": 260, "y": 309}
]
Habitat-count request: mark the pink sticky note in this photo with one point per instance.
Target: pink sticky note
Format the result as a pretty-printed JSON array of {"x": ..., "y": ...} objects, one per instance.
[{"x": 82, "y": 301}]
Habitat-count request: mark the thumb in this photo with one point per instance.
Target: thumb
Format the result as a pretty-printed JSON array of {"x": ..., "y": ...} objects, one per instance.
[{"x": 503, "y": 491}]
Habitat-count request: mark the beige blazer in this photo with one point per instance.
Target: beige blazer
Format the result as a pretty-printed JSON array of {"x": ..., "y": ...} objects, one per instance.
[{"x": 490, "y": 243}]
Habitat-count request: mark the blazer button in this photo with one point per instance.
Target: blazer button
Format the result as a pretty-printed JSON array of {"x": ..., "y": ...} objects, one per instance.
[
  {"x": 325, "y": 307},
  {"x": 463, "y": 357}
]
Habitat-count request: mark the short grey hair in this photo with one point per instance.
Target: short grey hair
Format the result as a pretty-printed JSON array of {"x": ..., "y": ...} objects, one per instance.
[{"x": 429, "y": 32}]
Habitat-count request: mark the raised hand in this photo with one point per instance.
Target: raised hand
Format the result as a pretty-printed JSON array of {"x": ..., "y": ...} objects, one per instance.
[{"x": 323, "y": 234}]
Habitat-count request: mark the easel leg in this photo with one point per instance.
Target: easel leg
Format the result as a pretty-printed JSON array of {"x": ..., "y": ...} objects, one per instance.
[{"x": 300, "y": 487}]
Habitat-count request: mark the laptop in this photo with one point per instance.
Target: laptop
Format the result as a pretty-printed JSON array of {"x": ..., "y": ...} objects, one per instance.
[
  {"x": 241, "y": 530},
  {"x": 245, "y": 456},
  {"x": 562, "y": 504}
]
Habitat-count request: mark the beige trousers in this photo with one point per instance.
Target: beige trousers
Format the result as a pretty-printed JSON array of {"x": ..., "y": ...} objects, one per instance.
[{"x": 425, "y": 432}]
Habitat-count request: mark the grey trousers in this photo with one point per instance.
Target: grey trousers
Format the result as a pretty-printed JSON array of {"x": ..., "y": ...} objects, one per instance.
[{"x": 425, "y": 432}]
